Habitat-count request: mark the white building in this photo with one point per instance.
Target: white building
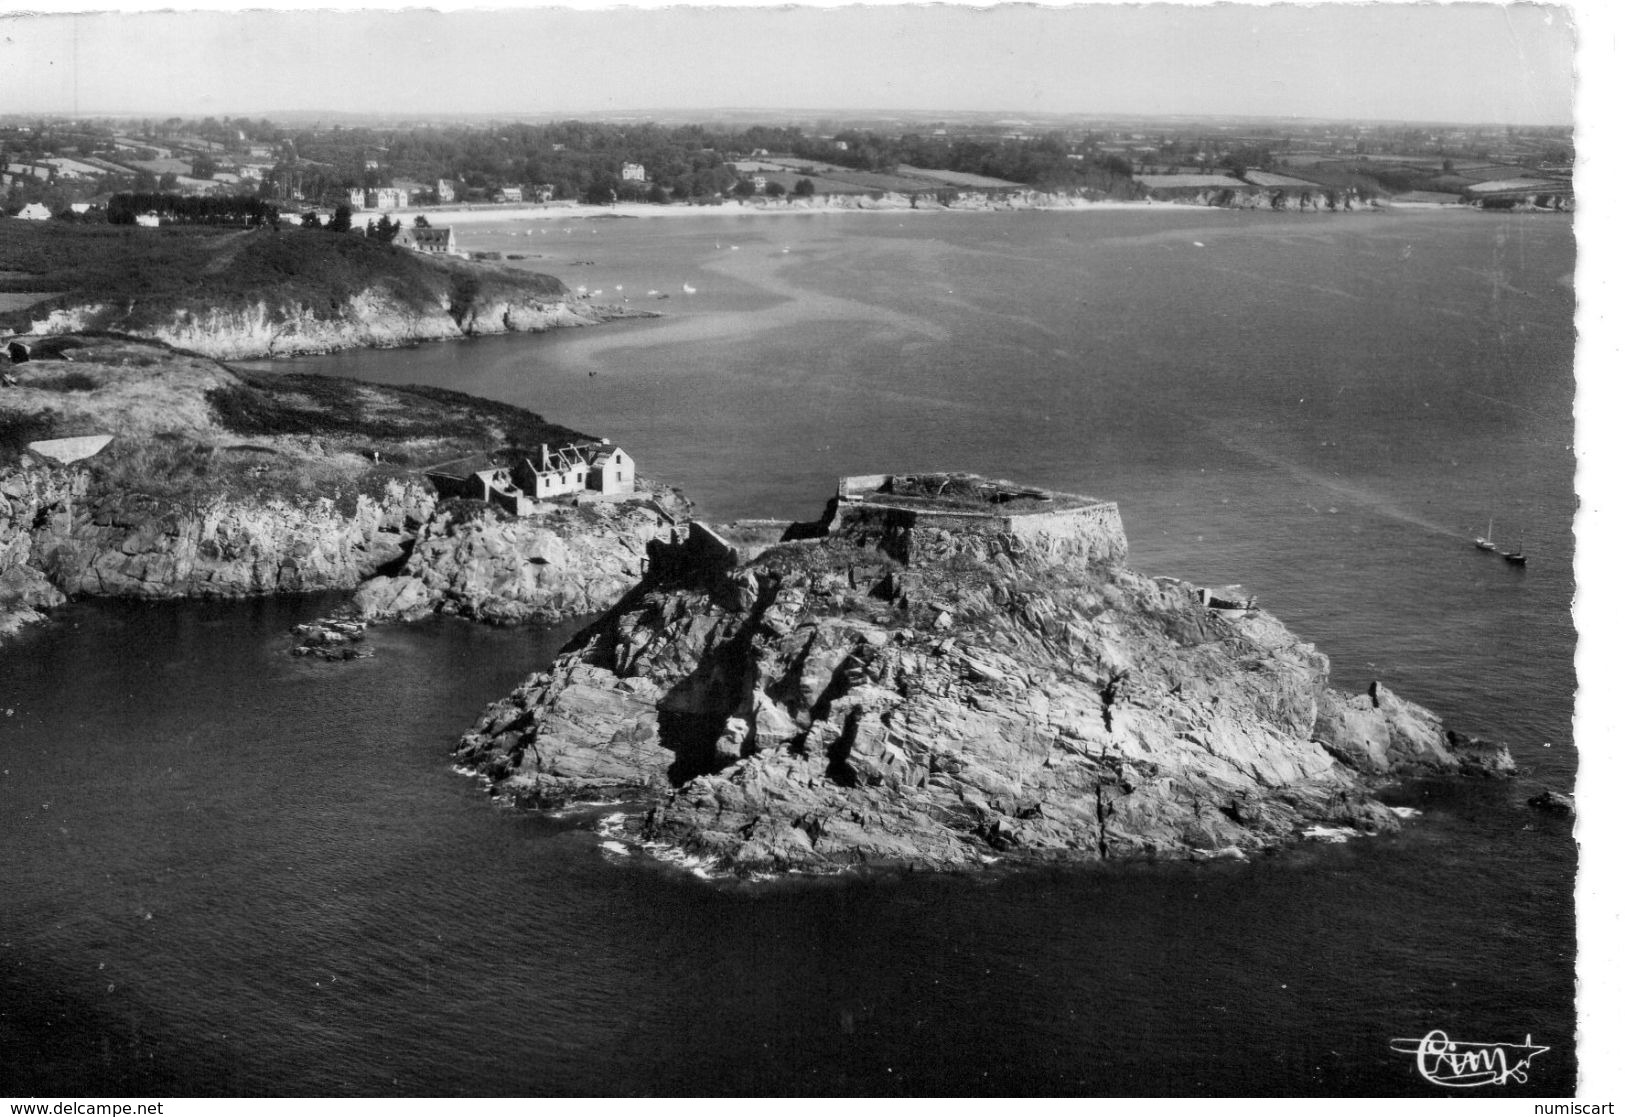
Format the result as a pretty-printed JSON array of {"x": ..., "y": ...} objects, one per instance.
[
  {"x": 632, "y": 172},
  {"x": 603, "y": 468},
  {"x": 34, "y": 211},
  {"x": 434, "y": 241}
]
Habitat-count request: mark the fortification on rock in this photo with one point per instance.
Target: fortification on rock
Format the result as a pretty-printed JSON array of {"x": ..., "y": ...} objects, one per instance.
[
  {"x": 908, "y": 514},
  {"x": 902, "y": 506}
]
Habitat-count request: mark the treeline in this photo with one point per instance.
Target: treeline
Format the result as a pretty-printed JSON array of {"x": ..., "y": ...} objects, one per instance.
[
  {"x": 123, "y": 209},
  {"x": 681, "y": 162}
]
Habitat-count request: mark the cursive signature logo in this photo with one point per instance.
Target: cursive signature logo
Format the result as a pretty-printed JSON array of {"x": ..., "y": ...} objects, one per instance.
[{"x": 1447, "y": 1062}]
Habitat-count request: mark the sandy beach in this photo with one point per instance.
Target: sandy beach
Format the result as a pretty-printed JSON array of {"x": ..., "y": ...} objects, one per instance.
[{"x": 831, "y": 204}]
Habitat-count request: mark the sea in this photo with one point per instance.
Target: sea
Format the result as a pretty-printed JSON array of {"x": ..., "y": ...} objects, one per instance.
[{"x": 228, "y": 871}]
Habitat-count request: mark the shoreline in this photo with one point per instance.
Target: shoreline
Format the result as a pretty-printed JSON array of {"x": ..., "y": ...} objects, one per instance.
[{"x": 559, "y": 211}]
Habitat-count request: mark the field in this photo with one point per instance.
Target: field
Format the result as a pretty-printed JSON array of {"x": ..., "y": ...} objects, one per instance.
[
  {"x": 959, "y": 178},
  {"x": 827, "y": 178}
]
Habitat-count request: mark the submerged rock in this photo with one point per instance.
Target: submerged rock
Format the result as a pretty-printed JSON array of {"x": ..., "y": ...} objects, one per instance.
[
  {"x": 335, "y": 639},
  {"x": 942, "y": 677},
  {"x": 1553, "y": 802}
]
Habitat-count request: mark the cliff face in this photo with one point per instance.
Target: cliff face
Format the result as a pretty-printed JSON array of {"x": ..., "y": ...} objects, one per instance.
[
  {"x": 57, "y": 538},
  {"x": 567, "y": 561},
  {"x": 207, "y": 482},
  {"x": 371, "y": 318},
  {"x": 273, "y": 292},
  {"x": 909, "y": 691}
]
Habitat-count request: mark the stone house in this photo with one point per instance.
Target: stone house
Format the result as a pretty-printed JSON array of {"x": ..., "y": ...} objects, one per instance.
[
  {"x": 436, "y": 242},
  {"x": 594, "y": 467},
  {"x": 632, "y": 172}
]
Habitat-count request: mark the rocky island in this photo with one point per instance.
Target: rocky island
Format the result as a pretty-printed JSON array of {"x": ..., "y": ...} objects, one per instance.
[{"x": 943, "y": 672}]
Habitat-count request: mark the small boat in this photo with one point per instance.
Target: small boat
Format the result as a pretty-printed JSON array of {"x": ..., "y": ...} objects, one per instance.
[
  {"x": 1516, "y": 557},
  {"x": 1486, "y": 542}
]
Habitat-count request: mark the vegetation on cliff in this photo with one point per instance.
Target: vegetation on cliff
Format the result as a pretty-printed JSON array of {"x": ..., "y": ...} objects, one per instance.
[{"x": 145, "y": 276}]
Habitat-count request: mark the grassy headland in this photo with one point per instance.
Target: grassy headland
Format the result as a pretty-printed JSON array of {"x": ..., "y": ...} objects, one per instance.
[
  {"x": 262, "y": 291},
  {"x": 187, "y": 427}
]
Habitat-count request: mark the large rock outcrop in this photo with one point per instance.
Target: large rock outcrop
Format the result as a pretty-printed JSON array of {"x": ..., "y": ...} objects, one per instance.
[
  {"x": 372, "y": 318},
  {"x": 58, "y": 536},
  {"x": 912, "y": 689},
  {"x": 569, "y": 560},
  {"x": 190, "y": 479}
]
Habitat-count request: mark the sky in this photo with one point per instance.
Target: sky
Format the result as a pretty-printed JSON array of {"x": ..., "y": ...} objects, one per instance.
[{"x": 1470, "y": 63}]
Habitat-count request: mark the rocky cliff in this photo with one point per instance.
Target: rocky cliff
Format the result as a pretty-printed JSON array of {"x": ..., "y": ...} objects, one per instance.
[
  {"x": 910, "y": 689},
  {"x": 210, "y": 482},
  {"x": 275, "y": 292},
  {"x": 375, "y": 318},
  {"x": 567, "y": 561}
]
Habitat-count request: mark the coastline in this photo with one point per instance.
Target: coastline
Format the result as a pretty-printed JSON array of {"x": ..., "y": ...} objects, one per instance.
[{"x": 859, "y": 203}]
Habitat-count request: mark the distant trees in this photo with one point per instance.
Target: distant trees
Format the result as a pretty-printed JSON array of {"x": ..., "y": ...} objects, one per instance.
[
  {"x": 122, "y": 209},
  {"x": 775, "y": 190},
  {"x": 340, "y": 221},
  {"x": 600, "y": 192},
  {"x": 383, "y": 230},
  {"x": 745, "y": 188},
  {"x": 804, "y": 188}
]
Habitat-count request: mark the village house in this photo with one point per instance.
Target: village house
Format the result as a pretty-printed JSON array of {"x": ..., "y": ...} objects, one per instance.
[
  {"x": 436, "y": 242},
  {"x": 512, "y": 194},
  {"x": 445, "y": 191},
  {"x": 632, "y": 172},
  {"x": 388, "y": 197},
  {"x": 34, "y": 211},
  {"x": 358, "y": 198}
]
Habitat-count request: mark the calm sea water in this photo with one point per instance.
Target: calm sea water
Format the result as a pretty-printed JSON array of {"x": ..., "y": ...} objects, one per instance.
[{"x": 229, "y": 871}]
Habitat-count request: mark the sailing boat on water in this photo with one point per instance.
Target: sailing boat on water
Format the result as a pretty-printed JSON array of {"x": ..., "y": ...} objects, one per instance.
[
  {"x": 1486, "y": 542},
  {"x": 1516, "y": 556}
]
